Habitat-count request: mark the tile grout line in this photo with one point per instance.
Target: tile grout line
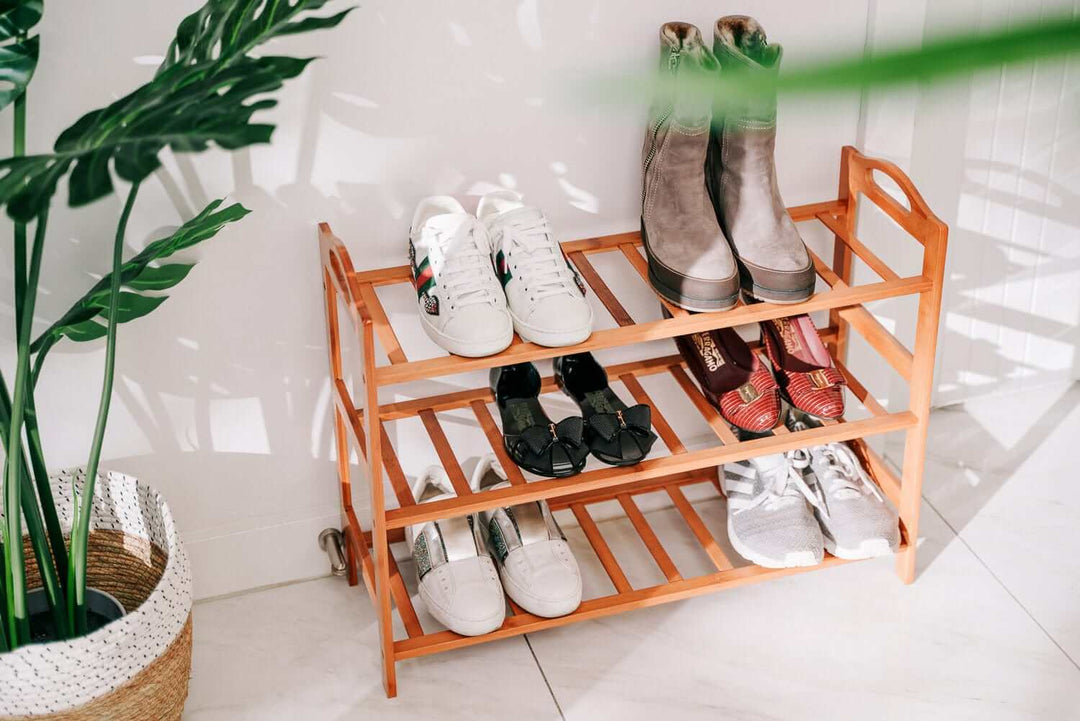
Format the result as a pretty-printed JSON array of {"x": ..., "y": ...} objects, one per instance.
[
  {"x": 543, "y": 675},
  {"x": 1001, "y": 583}
]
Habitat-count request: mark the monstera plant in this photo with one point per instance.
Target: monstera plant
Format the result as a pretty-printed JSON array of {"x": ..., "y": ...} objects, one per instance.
[{"x": 207, "y": 92}]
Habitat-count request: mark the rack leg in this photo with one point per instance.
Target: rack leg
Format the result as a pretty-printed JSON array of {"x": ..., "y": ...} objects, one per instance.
[
  {"x": 921, "y": 390},
  {"x": 843, "y": 258},
  {"x": 352, "y": 563}
]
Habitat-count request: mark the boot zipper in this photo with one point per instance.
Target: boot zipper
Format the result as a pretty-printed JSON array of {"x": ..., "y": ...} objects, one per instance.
[{"x": 673, "y": 67}]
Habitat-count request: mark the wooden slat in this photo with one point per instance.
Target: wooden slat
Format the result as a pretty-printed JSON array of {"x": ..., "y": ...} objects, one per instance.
[
  {"x": 810, "y": 211},
  {"x": 876, "y": 264},
  {"x": 344, "y": 402},
  {"x": 609, "y": 477},
  {"x": 892, "y": 350},
  {"x": 382, "y": 325},
  {"x": 642, "y": 267},
  {"x": 402, "y": 601},
  {"x": 648, "y": 537},
  {"x": 393, "y": 471},
  {"x": 878, "y": 336},
  {"x": 603, "y": 292},
  {"x": 446, "y": 454},
  {"x": 460, "y": 399},
  {"x": 654, "y": 330},
  {"x": 603, "y": 552},
  {"x": 384, "y": 276},
  {"x": 663, "y": 428},
  {"x": 495, "y": 438},
  {"x": 697, "y": 527},
  {"x": 594, "y": 608},
  {"x": 601, "y": 243},
  {"x": 711, "y": 415},
  {"x": 859, "y": 390},
  {"x": 634, "y": 488}
]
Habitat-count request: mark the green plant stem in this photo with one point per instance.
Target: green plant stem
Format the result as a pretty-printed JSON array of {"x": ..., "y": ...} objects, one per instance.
[
  {"x": 40, "y": 470},
  {"x": 35, "y": 526},
  {"x": 18, "y": 621},
  {"x": 81, "y": 531},
  {"x": 4, "y": 645}
]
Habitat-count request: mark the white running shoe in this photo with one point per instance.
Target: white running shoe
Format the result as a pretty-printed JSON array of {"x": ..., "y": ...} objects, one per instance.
[
  {"x": 457, "y": 578},
  {"x": 537, "y": 567},
  {"x": 856, "y": 520},
  {"x": 770, "y": 521},
  {"x": 462, "y": 307},
  {"x": 545, "y": 294}
]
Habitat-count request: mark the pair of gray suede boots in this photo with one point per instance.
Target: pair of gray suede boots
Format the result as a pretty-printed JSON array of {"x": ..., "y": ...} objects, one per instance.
[{"x": 712, "y": 219}]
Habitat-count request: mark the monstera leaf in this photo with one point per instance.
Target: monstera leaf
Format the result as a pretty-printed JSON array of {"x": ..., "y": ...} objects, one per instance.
[
  {"x": 87, "y": 318},
  {"x": 18, "y": 53},
  {"x": 205, "y": 92}
]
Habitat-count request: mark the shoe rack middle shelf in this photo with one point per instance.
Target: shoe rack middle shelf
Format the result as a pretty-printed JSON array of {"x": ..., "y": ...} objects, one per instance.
[
  {"x": 361, "y": 420},
  {"x": 679, "y": 460}
]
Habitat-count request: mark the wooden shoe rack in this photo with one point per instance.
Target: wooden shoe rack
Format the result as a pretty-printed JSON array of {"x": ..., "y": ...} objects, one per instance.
[{"x": 362, "y": 420}]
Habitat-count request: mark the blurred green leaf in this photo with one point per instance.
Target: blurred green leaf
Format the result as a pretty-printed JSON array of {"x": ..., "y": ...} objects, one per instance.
[
  {"x": 934, "y": 60},
  {"x": 85, "y": 319}
]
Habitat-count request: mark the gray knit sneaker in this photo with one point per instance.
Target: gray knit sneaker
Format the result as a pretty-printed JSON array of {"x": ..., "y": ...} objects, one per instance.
[
  {"x": 856, "y": 520},
  {"x": 770, "y": 520}
]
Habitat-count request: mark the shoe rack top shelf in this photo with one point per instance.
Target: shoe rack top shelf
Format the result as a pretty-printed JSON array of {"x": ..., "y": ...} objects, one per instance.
[{"x": 358, "y": 287}]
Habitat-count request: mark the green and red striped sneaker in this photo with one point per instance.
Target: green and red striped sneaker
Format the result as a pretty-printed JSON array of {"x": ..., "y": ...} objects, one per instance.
[{"x": 462, "y": 306}]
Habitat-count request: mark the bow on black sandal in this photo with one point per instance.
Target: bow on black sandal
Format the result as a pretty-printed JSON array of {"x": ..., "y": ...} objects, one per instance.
[
  {"x": 534, "y": 441},
  {"x": 616, "y": 434}
]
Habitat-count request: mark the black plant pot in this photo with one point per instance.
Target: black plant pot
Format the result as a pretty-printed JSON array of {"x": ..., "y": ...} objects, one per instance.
[{"x": 101, "y": 610}]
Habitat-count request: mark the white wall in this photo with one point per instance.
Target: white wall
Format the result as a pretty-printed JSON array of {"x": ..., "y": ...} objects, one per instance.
[{"x": 222, "y": 400}]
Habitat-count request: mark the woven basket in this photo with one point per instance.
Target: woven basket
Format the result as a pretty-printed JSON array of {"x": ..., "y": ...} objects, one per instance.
[{"x": 136, "y": 668}]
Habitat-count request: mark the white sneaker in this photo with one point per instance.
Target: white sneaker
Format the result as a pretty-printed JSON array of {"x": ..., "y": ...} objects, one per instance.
[
  {"x": 462, "y": 307},
  {"x": 545, "y": 295},
  {"x": 458, "y": 581},
  {"x": 856, "y": 520},
  {"x": 536, "y": 565},
  {"x": 770, "y": 521}
]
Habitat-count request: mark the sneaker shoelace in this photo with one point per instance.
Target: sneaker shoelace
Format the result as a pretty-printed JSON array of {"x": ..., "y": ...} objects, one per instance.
[
  {"x": 840, "y": 475},
  {"x": 536, "y": 255},
  {"x": 465, "y": 277},
  {"x": 784, "y": 484}
]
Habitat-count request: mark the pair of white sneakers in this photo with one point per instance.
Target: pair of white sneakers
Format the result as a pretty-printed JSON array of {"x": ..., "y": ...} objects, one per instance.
[
  {"x": 786, "y": 509},
  {"x": 480, "y": 278},
  {"x": 465, "y": 564}
]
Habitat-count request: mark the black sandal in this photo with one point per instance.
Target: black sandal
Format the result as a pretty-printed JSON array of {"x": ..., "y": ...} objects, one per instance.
[
  {"x": 616, "y": 434},
  {"x": 534, "y": 441}
]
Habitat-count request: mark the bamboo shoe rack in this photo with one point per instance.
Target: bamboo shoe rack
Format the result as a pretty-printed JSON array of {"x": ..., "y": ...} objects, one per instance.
[{"x": 361, "y": 420}]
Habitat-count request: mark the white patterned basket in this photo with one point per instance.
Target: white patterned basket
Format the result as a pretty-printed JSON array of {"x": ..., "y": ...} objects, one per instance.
[{"x": 70, "y": 679}]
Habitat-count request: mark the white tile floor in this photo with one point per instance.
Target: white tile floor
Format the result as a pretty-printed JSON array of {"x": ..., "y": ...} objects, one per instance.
[{"x": 990, "y": 629}]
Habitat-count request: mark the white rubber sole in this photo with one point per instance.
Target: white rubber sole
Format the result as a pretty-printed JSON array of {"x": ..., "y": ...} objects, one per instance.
[
  {"x": 552, "y": 339},
  {"x": 465, "y": 347},
  {"x": 870, "y": 548},
  {"x": 795, "y": 559}
]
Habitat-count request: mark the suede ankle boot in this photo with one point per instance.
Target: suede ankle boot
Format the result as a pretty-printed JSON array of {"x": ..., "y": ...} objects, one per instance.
[
  {"x": 741, "y": 171},
  {"x": 690, "y": 261}
]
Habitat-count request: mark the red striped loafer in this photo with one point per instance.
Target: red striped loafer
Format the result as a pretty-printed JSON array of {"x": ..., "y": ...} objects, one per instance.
[
  {"x": 803, "y": 366},
  {"x": 733, "y": 378}
]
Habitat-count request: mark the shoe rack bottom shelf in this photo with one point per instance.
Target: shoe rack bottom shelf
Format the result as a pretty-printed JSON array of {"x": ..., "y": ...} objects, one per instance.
[{"x": 730, "y": 570}]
